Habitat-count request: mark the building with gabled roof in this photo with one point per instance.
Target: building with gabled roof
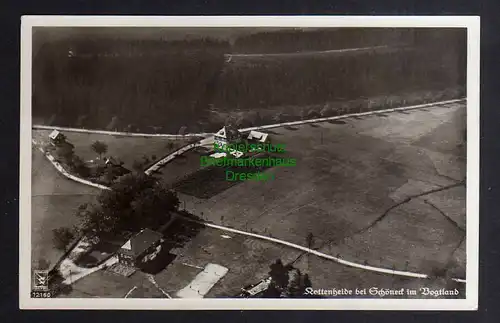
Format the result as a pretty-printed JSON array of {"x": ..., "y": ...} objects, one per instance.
[
  {"x": 140, "y": 248},
  {"x": 228, "y": 134},
  {"x": 55, "y": 136}
]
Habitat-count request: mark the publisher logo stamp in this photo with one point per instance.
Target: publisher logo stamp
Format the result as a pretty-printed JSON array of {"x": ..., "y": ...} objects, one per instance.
[{"x": 41, "y": 280}]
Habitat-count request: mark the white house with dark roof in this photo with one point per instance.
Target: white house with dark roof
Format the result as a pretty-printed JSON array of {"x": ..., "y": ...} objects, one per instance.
[
  {"x": 227, "y": 135},
  {"x": 54, "y": 137},
  {"x": 141, "y": 248}
]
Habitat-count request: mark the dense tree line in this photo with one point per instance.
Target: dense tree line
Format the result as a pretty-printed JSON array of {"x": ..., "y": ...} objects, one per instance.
[
  {"x": 153, "y": 86},
  {"x": 169, "y": 84},
  {"x": 315, "y": 80}
]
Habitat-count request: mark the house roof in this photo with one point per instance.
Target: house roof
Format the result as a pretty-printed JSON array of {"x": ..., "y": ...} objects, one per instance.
[
  {"x": 139, "y": 243},
  {"x": 257, "y": 135},
  {"x": 110, "y": 160},
  {"x": 228, "y": 132},
  {"x": 54, "y": 134}
]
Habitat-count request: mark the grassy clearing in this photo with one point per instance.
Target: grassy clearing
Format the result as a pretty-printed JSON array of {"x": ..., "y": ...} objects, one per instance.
[{"x": 347, "y": 175}]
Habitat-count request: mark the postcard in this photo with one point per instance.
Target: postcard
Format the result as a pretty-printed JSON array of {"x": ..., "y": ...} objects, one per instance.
[{"x": 245, "y": 163}]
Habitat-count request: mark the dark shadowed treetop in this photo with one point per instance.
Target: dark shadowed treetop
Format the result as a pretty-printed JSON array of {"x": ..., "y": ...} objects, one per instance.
[
  {"x": 136, "y": 201},
  {"x": 99, "y": 147}
]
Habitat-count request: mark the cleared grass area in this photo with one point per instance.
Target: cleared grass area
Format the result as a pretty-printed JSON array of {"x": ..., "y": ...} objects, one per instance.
[
  {"x": 126, "y": 149},
  {"x": 55, "y": 200},
  {"x": 347, "y": 176},
  {"x": 211, "y": 180},
  {"x": 413, "y": 237}
]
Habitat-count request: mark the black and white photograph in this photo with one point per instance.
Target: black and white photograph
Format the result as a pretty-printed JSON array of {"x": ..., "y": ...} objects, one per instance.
[{"x": 249, "y": 162}]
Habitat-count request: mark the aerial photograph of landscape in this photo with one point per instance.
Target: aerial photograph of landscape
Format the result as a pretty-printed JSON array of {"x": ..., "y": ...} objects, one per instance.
[{"x": 248, "y": 162}]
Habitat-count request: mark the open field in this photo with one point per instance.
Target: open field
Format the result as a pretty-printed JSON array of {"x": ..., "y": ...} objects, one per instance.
[
  {"x": 345, "y": 182},
  {"x": 126, "y": 149},
  {"x": 55, "y": 200}
]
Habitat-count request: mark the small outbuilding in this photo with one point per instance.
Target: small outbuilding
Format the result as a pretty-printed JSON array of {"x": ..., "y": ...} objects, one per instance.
[
  {"x": 55, "y": 137},
  {"x": 141, "y": 248},
  {"x": 257, "y": 136}
]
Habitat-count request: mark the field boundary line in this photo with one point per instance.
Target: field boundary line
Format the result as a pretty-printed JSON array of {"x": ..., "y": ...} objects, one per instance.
[{"x": 130, "y": 291}]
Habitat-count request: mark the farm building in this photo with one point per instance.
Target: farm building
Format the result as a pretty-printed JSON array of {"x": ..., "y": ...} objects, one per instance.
[
  {"x": 227, "y": 135},
  {"x": 141, "y": 248},
  {"x": 258, "y": 136},
  {"x": 55, "y": 137}
]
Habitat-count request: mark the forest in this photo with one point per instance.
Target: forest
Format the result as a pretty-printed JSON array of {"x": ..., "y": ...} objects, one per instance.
[{"x": 162, "y": 86}]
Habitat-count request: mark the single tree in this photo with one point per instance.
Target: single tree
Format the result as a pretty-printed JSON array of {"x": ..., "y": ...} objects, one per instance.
[
  {"x": 62, "y": 237},
  {"x": 309, "y": 240},
  {"x": 99, "y": 148},
  {"x": 278, "y": 274}
]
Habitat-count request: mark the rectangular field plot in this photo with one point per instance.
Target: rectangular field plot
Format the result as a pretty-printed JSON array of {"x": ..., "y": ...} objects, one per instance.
[{"x": 210, "y": 181}]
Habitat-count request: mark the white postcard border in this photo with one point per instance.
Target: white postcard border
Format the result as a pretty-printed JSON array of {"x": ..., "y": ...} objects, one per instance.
[{"x": 472, "y": 23}]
